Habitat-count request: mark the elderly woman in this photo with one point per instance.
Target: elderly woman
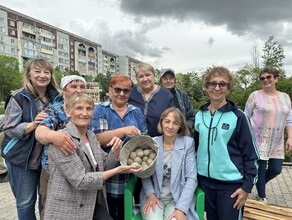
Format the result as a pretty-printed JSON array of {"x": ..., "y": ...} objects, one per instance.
[
  {"x": 117, "y": 118},
  {"x": 270, "y": 113},
  {"x": 226, "y": 151},
  {"x": 76, "y": 185},
  {"x": 22, "y": 152},
  {"x": 150, "y": 97},
  {"x": 168, "y": 193}
]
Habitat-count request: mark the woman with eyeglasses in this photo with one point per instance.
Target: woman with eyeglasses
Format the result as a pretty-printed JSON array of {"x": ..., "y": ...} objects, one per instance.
[
  {"x": 117, "y": 117},
  {"x": 226, "y": 152},
  {"x": 270, "y": 112}
]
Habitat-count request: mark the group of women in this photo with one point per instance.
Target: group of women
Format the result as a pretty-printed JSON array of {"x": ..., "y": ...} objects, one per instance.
[{"x": 222, "y": 158}]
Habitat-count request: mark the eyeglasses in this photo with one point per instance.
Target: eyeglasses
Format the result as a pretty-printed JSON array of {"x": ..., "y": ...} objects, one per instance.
[
  {"x": 119, "y": 90},
  {"x": 267, "y": 77},
  {"x": 213, "y": 85}
]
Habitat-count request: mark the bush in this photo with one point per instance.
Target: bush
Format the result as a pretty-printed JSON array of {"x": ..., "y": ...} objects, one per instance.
[
  {"x": 2, "y": 111},
  {"x": 288, "y": 156}
]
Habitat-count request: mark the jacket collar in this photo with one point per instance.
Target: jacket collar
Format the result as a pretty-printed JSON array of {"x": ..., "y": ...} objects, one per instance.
[{"x": 74, "y": 133}]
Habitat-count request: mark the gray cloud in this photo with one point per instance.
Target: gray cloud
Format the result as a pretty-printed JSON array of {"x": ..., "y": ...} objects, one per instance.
[
  {"x": 210, "y": 41},
  {"x": 240, "y": 17},
  {"x": 123, "y": 42}
]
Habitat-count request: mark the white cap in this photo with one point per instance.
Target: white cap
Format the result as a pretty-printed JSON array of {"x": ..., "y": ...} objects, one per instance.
[
  {"x": 167, "y": 71},
  {"x": 66, "y": 79}
]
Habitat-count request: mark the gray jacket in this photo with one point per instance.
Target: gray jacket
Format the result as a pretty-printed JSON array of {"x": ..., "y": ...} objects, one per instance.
[{"x": 74, "y": 185}]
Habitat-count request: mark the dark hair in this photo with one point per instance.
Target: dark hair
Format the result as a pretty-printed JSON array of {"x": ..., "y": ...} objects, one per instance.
[
  {"x": 270, "y": 70},
  {"x": 178, "y": 115},
  {"x": 219, "y": 71}
]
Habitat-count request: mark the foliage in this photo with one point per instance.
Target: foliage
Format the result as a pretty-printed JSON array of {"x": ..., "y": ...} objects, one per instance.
[
  {"x": 192, "y": 84},
  {"x": 288, "y": 156},
  {"x": 59, "y": 74},
  {"x": 273, "y": 54},
  {"x": 10, "y": 76},
  {"x": 2, "y": 111},
  {"x": 103, "y": 81}
]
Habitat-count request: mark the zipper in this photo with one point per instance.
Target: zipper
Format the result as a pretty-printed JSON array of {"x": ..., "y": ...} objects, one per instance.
[{"x": 209, "y": 132}]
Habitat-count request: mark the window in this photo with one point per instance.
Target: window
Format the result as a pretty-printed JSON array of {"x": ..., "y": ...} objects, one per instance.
[
  {"x": 12, "y": 41},
  {"x": 2, "y": 29},
  {"x": 12, "y": 23},
  {"x": 13, "y": 50},
  {"x": 45, "y": 47},
  {"x": 27, "y": 35},
  {"x": 64, "y": 54},
  {"x": 2, "y": 20},
  {"x": 47, "y": 40},
  {"x": 12, "y": 32}
]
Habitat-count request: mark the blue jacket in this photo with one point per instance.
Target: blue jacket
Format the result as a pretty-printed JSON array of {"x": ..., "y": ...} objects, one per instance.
[
  {"x": 183, "y": 182},
  {"x": 15, "y": 149},
  {"x": 226, "y": 149},
  {"x": 152, "y": 109}
]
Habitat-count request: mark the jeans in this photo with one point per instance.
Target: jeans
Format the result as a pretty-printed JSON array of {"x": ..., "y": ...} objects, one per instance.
[
  {"x": 24, "y": 185},
  {"x": 266, "y": 174},
  {"x": 163, "y": 213}
]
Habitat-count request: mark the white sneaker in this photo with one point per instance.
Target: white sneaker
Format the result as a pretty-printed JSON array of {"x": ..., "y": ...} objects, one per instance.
[{"x": 263, "y": 200}]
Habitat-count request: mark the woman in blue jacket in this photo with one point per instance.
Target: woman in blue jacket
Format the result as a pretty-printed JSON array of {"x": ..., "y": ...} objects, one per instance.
[
  {"x": 226, "y": 151},
  {"x": 169, "y": 192},
  {"x": 20, "y": 149}
]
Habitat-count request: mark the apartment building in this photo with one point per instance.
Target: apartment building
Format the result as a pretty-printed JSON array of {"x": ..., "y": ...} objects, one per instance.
[{"x": 24, "y": 38}]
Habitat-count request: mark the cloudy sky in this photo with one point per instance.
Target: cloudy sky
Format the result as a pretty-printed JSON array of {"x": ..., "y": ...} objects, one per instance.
[{"x": 187, "y": 35}]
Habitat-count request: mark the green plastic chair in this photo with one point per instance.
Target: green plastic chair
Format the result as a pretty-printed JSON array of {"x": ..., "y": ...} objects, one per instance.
[{"x": 128, "y": 200}]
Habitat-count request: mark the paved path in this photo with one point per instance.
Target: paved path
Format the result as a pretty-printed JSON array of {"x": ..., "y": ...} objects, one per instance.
[{"x": 279, "y": 192}]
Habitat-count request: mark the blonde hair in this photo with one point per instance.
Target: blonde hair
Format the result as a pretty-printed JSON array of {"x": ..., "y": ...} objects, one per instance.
[
  {"x": 38, "y": 63},
  {"x": 144, "y": 67},
  {"x": 178, "y": 115},
  {"x": 77, "y": 98}
]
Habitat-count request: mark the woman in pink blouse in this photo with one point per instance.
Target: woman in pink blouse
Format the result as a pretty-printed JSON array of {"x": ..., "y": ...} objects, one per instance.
[{"x": 270, "y": 112}]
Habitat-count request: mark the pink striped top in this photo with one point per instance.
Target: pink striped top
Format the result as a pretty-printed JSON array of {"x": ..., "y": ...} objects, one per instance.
[{"x": 269, "y": 116}]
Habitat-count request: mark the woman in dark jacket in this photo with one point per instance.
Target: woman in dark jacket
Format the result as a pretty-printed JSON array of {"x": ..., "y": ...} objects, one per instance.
[{"x": 20, "y": 149}]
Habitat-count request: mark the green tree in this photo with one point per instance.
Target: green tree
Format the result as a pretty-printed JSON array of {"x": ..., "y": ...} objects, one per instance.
[
  {"x": 103, "y": 81},
  {"x": 192, "y": 84},
  {"x": 10, "y": 76},
  {"x": 273, "y": 54}
]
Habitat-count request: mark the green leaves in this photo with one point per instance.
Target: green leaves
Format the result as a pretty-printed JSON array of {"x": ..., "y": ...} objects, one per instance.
[{"x": 10, "y": 77}]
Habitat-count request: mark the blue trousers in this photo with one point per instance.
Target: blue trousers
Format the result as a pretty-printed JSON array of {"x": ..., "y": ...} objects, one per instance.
[
  {"x": 24, "y": 185},
  {"x": 265, "y": 174},
  {"x": 219, "y": 205}
]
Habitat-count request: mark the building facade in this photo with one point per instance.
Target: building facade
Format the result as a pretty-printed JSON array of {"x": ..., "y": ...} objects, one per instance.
[{"x": 24, "y": 38}]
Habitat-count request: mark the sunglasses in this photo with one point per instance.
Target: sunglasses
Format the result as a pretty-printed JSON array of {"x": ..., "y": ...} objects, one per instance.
[
  {"x": 119, "y": 90},
  {"x": 267, "y": 77},
  {"x": 221, "y": 85}
]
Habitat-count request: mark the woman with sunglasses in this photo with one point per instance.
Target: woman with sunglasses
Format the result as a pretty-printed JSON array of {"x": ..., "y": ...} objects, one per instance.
[
  {"x": 270, "y": 112},
  {"x": 117, "y": 118},
  {"x": 226, "y": 152}
]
